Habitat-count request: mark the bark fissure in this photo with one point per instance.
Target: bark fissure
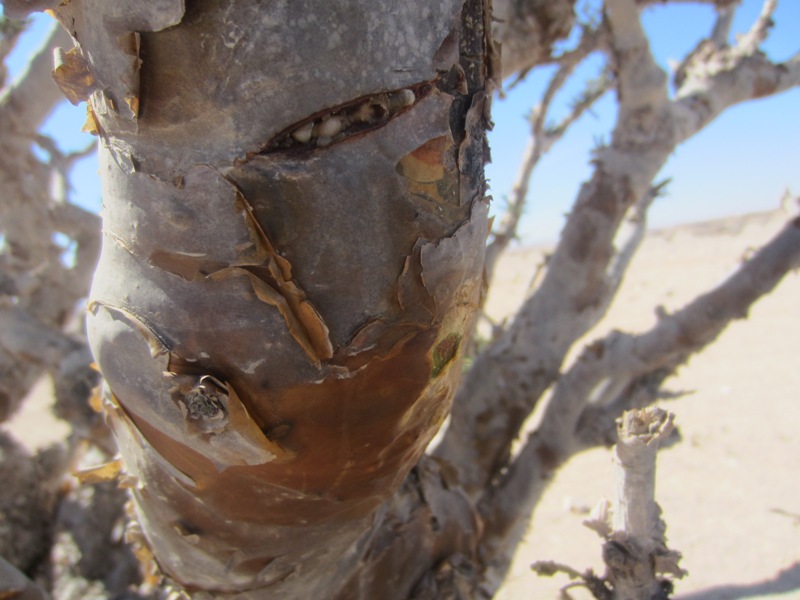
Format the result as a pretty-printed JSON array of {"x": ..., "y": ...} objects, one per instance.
[{"x": 356, "y": 117}]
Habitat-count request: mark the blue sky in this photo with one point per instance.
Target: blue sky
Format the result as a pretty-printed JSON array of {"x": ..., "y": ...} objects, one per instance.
[{"x": 742, "y": 162}]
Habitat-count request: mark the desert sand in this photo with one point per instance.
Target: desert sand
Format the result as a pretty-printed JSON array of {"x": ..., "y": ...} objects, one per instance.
[{"x": 730, "y": 490}]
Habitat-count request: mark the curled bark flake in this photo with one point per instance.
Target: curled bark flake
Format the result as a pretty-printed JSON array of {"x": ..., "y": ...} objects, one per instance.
[
  {"x": 303, "y": 322},
  {"x": 151, "y": 576},
  {"x": 110, "y": 42},
  {"x": 271, "y": 277},
  {"x": 72, "y": 75},
  {"x": 156, "y": 343},
  {"x": 105, "y": 472}
]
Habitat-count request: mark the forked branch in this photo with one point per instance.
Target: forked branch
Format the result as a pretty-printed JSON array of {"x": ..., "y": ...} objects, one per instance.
[{"x": 615, "y": 361}]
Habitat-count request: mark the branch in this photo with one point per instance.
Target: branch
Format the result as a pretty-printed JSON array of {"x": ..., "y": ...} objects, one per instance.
[
  {"x": 728, "y": 81},
  {"x": 619, "y": 356},
  {"x": 721, "y": 32},
  {"x": 640, "y": 79},
  {"x": 636, "y": 550},
  {"x": 713, "y": 77},
  {"x": 529, "y": 30},
  {"x": 631, "y": 241},
  {"x": 83, "y": 227},
  {"x": 10, "y": 31},
  {"x": 26, "y": 104},
  {"x": 716, "y": 42},
  {"x": 543, "y": 138},
  {"x": 750, "y": 42},
  {"x": 506, "y": 382}
]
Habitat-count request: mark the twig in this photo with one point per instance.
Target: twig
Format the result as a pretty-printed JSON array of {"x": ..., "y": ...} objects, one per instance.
[
  {"x": 721, "y": 32},
  {"x": 542, "y": 140},
  {"x": 750, "y": 42}
]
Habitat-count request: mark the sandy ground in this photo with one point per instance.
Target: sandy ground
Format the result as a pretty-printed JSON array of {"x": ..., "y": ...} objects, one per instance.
[{"x": 730, "y": 490}]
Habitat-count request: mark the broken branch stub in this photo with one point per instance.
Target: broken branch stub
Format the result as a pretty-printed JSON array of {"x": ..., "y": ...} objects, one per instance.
[
  {"x": 292, "y": 256},
  {"x": 636, "y": 552}
]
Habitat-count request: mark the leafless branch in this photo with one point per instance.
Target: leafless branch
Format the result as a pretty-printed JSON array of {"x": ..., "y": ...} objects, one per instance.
[
  {"x": 528, "y": 31},
  {"x": 635, "y": 64},
  {"x": 750, "y": 42},
  {"x": 725, "y": 80},
  {"x": 24, "y": 105},
  {"x": 721, "y": 32},
  {"x": 506, "y": 382},
  {"x": 633, "y": 239},
  {"x": 636, "y": 552},
  {"x": 543, "y": 138},
  {"x": 10, "y": 31},
  {"x": 624, "y": 357}
]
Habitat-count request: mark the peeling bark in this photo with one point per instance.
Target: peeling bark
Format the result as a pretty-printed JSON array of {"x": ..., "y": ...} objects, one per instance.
[
  {"x": 266, "y": 398},
  {"x": 293, "y": 248}
]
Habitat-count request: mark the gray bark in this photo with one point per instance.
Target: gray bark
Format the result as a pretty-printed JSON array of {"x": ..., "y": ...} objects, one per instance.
[
  {"x": 266, "y": 397},
  {"x": 271, "y": 401}
]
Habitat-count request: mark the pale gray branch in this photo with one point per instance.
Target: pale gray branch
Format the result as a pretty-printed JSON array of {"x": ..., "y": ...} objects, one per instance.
[
  {"x": 721, "y": 32},
  {"x": 636, "y": 551},
  {"x": 750, "y": 42},
  {"x": 632, "y": 240},
  {"x": 625, "y": 357},
  {"x": 528, "y": 31},
  {"x": 725, "y": 80},
  {"x": 506, "y": 382},
  {"x": 640, "y": 79},
  {"x": 542, "y": 139},
  {"x": 27, "y": 103}
]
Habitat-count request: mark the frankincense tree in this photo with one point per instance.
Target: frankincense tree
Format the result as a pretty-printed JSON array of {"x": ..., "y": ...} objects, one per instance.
[{"x": 293, "y": 256}]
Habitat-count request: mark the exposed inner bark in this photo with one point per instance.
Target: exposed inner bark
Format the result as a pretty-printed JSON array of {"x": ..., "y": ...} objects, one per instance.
[{"x": 294, "y": 228}]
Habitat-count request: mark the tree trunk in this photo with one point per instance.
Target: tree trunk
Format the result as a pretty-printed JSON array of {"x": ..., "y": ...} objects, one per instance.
[{"x": 294, "y": 224}]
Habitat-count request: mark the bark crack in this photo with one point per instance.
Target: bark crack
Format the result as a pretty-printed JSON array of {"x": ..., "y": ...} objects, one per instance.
[{"x": 339, "y": 123}]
